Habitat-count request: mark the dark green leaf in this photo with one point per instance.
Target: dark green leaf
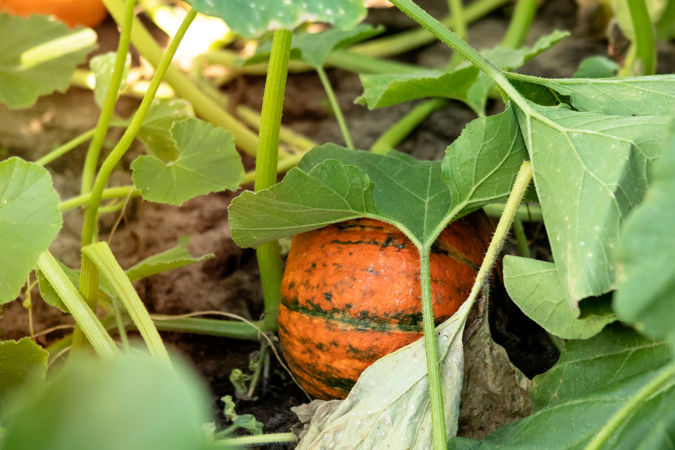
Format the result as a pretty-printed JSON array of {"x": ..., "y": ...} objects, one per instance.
[
  {"x": 20, "y": 363},
  {"x": 252, "y": 18},
  {"x": 174, "y": 258},
  {"x": 38, "y": 57},
  {"x": 535, "y": 287},
  {"x": 590, "y": 170},
  {"x": 29, "y": 221},
  {"x": 155, "y": 133},
  {"x": 597, "y": 67},
  {"x": 314, "y": 48},
  {"x": 646, "y": 297},
  {"x": 590, "y": 383},
  {"x": 132, "y": 402},
  {"x": 102, "y": 66},
  {"x": 208, "y": 163}
]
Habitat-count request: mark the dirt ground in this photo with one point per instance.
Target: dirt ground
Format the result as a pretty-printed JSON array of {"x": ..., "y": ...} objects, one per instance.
[{"x": 230, "y": 282}]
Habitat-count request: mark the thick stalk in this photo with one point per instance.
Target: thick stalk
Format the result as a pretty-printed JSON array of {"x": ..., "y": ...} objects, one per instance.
[
  {"x": 269, "y": 255},
  {"x": 336, "y": 107},
  {"x": 283, "y": 166},
  {"x": 129, "y": 135},
  {"x": 644, "y": 35},
  {"x": 245, "y": 139},
  {"x": 630, "y": 407},
  {"x": 664, "y": 29},
  {"x": 257, "y": 440},
  {"x": 91, "y": 161},
  {"x": 401, "y": 129},
  {"x": 520, "y": 23},
  {"x": 65, "y": 148},
  {"x": 430, "y": 348},
  {"x": 89, "y": 279}
]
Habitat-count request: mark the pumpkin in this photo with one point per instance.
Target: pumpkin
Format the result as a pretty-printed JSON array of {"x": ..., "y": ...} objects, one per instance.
[
  {"x": 73, "y": 12},
  {"x": 351, "y": 295}
]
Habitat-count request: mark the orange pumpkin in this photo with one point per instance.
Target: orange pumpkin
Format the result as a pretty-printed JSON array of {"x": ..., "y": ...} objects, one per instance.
[
  {"x": 351, "y": 295},
  {"x": 88, "y": 13}
]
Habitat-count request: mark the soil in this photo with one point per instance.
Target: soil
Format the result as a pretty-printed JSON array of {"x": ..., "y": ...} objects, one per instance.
[{"x": 230, "y": 281}]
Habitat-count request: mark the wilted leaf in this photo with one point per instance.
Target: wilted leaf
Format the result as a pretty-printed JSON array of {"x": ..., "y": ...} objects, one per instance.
[
  {"x": 208, "y": 163},
  {"x": 29, "y": 221},
  {"x": 578, "y": 396},
  {"x": 252, "y": 18},
  {"x": 590, "y": 170},
  {"x": 535, "y": 287},
  {"x": 389, "y": 407},
  {"x": 247, "y": 421},
  {"x": 174, "y": 258},
  {"x": 102, "y": 66},
  {"x": 646, "y": 297},
  {"x": 133, "y": 402},
  {"x": 20, "y": 362},
  {"x": 155, "y": 133},
  {"x": 38, "y": 57},
  {"x": 314, "y": 48}
]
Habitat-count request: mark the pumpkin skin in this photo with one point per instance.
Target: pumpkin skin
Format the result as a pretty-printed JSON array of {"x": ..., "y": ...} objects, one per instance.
[
  {"x": 88, "y": 13},
  {"x": 351, "y": 294}
]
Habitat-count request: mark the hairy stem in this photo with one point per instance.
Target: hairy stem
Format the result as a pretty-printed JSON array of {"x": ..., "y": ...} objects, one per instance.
[
  {"x": 457, "y": 11},
  {"x": 269, "y": 255},
  {"x": 335, "y": 106},
  {"x": 91, "y": 161},
  {"x": 257, "y": 440}
]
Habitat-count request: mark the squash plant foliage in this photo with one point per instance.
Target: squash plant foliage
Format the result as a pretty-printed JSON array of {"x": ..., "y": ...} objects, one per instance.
[{"x": 599, "y": 151}]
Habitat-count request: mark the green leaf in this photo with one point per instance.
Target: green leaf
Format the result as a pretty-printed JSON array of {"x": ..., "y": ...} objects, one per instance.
[
  {"x": 535, "y": 287},
  {"x": 21, "y": 362},
  {"x": 386, "y": 90},
  {"x": 597, "y": 67},
  {"x": 590, "y": 170},
  {"x": 133, "y": 402},
  {"x": 646, "y": 297},
  {"x": 102, "y": 66},
  {"x": 38, "y": 56},
  {"x": 591, "y": 382},
  {"x": 252, "y": 18},
  {"x": 174, "y": 258},
  {"x": 29, "y": 221},
  {"x": 394, "y": 410},
  {"x": 314, "y": 48},
  {"x": 247, "y": 421},
  {"x": 511, "y": 58},
  {"x": 208, "y": 163},
  {"x": 649, "y": 96},
  {"x": 155, "y": 133}
]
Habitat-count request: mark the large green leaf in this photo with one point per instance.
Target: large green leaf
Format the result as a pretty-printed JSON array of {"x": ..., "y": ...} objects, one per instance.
[
  {"x": 649, "y": 96},
  {"x": 646, "y": 297},
  {"x": 583, "y": 391},
  {"x": 38, "y": 56},
  {"x": 174, "y": 258},
  {"x": 103, "y": 66},
  {"x": 590, "y": 170},
  {"x": 20, "y": 363},
  {"x": 155, "y": 133},
  {"x": 29, "y": 221},
  {"x": 208, "y": 162},
  {"x": 132, "y": 402},
  {"x": 314, "y": 48},
  {"x": 252, "y": 18},
  {"x": 535, "y": 287},
  {"x": 333, "y": 184}
]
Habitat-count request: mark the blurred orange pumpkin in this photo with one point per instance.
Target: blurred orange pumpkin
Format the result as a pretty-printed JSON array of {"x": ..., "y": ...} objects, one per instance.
[{"x": 73, "y": 12}]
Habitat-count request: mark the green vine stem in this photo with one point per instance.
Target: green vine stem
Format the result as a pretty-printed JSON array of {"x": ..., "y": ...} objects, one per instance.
[
  {"x": 91, "y": 160},
  {"x": 335, "y": 106},
  {"x": 519, "y": 232},
  {"x": 520, "y": 23},
  {"x": 84, "y": 316},
  {"x": 65, "y": 148},
  {"x": 644, "y": 35},
  {"x": 631, "y": 406},
  {"x": 269, "y": 255},
  {"x": 664, "y": 29},
  {"x": 401, "y": 129},
  {"x": 257, "y": 440},
  {"x": 531, "y": 213},
  {"x": 106, "y": 263},
  {"x": 457, "y": 13},
  {"x": 130, "y": 133},
  {"x": 116, "y": 192},
  {"x": 245, "y": 139}
]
